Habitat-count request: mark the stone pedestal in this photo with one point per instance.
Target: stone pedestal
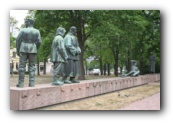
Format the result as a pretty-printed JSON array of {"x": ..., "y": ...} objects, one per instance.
[{"x": 47, "y": 94}]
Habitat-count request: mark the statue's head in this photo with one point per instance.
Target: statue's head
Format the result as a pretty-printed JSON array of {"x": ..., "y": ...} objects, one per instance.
[
  {"x": 61, "y": 31},
  {"x": 29, "y": 22},
  {"x": 73, "y": 30},
  {"x": 134, "y": 62}
]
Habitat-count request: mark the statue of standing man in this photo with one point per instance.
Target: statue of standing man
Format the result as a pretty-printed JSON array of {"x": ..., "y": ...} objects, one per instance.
[
  {"x": 58, "y": 56},
  {"x": 152, "y": 63},
  {"x": 27, "y": 43},
  {"x": 73, "y": 52}
]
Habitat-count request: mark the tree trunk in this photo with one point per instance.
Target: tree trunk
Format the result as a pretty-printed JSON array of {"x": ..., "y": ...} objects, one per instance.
[
  {"x": 114, "y": 55},
  {"x": 141, "y": 62},
  {"x": 44, "y": 72},
  {"x": 81, "y": 65},
  {"x": 101, "y": 66},
  {"x": 141, "y": 68},
  {"x": 116, "y": 62},
  {"x": 121, "y": 70},
  {"x": 80, "y": 34},
  {"x": 108, "y": 69},
  {"x": 86, "y": 67},
  {"x": 128, "y": 61},
  {"x": 82, "y": 71},
  {"x": 104, "y": 69}
]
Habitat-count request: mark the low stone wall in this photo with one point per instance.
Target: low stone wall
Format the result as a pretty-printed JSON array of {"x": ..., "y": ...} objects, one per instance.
[{"x": 46, "y": 94}]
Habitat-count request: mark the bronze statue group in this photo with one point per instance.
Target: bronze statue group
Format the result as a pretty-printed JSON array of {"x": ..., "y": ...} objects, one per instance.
[{"x": 64, "y": 55}]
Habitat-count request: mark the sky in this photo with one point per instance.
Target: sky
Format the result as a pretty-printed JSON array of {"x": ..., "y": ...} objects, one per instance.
[{"x": 19, "y": 15}]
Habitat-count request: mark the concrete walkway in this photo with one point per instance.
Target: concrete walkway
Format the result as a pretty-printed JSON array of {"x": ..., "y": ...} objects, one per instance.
[{"x": 150, "y": 103}]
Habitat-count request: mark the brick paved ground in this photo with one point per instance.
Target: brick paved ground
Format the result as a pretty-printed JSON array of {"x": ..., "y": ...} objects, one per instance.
[{"x": 150, "y": 103}]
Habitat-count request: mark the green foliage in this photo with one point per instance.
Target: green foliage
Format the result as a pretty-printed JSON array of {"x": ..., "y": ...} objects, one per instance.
[
  {"x": 129, "y": 32},
  {"x": 12, "y": 41},
  {"x": 43, "y": 53},
  {"x": 94, "y": 64},
  {"x": 148, "y": 40},
  {"x": 13, "y": 26},
  {"x": 112, "y": 36},
  {"x": 86, "y": 22}
]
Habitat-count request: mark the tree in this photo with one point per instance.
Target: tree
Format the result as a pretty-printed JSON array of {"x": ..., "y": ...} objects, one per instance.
[
  {"x": 43, "y": 53},
  {"x": 13, "y": 26},
  {"x": 124, "y": 35},
  {"x": 86, "y": 22},
  {"x": 114, "y": 36},
  {"x": 12, "y": 41},
  {"x": 148, "y": 41}
]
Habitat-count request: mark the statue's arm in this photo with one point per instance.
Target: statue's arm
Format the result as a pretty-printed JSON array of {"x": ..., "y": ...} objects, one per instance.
[
  {"x": 53, "y": 51},
  {"x": 39, "y": 40},
  {"x": 18, "y": 42},
  {"x": 69, "y": 46},
  {"x": 62, "y": 50},
  {"x": 136, "y": 73},
  {"x": 78, "y": 49},
  {"x": 129, "y": 73}
]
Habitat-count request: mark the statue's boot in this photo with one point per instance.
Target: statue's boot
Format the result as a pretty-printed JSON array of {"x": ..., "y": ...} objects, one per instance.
[
  {"x": 32, "y": 79},
  {"x": 56, "y": 80},
  {"x": 64, "y": 79},
  {"x": 134, "y": 75},
  {"x": 21, "y": 78},
  {"x": 72, "y": 79}
]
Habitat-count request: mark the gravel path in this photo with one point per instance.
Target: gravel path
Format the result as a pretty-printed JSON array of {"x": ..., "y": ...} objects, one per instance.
[{"x": 150, "y": 103}]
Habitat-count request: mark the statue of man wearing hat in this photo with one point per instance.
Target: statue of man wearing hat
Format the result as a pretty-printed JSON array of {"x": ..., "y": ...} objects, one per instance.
[
  {"x": 27, "y": 43},
  {"x": 73, "y": 52}
]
